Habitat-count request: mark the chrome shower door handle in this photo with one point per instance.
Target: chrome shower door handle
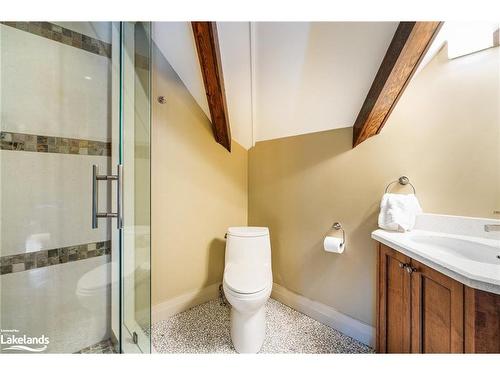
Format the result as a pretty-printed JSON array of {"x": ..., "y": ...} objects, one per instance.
[
  {"x": 95, "y": 196},
  {"x": 119, "y": 197}
]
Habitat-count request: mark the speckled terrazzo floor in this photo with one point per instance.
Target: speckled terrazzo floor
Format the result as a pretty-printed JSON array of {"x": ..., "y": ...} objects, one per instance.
[{"x": 206, "y": 329}]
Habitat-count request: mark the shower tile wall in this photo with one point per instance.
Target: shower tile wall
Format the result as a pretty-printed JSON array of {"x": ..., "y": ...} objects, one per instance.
[{"x": 57, "y": 91}]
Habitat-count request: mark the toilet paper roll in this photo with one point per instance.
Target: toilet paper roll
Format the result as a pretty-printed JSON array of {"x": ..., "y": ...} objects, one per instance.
[{"x": 333, "y": 245}]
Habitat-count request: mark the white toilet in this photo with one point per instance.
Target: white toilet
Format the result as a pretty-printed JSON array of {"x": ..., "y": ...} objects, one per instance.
[{"x": 247, "y": 284}]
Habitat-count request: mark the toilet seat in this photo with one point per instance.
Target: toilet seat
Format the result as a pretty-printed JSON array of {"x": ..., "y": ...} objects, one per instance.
[{"x": 246, "y": 278}]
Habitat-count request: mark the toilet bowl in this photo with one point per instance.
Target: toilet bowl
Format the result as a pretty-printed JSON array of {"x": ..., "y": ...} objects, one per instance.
[
  {"x": 247, "y": 285},
  {"x": 94, "y": 287}
]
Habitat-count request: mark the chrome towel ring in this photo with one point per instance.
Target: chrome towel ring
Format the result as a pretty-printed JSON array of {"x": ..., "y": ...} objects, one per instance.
[{"x": 403, "y": 180}]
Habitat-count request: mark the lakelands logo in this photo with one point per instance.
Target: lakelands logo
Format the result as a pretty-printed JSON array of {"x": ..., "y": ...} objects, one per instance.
[{"x": 12, "y": 341}]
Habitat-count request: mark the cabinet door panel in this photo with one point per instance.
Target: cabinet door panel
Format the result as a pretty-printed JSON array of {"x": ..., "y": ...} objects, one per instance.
[
  {"x": 482, "y": 321},
  {"x": 437, "y": 312},
  {"x": 393, "y": 299}
]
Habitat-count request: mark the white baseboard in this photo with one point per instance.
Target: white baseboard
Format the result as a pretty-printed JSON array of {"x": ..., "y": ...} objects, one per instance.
[
  {"x": 325, "y": 314},
  {"x": 183, "y": 302}
]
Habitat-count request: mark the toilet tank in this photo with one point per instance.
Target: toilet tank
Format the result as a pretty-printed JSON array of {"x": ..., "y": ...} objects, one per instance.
[{"x": 248, "y": 245}]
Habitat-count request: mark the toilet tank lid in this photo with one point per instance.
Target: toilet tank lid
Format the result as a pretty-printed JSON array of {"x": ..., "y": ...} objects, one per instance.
[{"x": 248, "y": 231}]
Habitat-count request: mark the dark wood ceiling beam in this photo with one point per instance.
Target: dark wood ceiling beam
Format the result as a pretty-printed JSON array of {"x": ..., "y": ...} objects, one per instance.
[
  {"x": 408, "y": 46},
  {"x": 207, "y": 45}
]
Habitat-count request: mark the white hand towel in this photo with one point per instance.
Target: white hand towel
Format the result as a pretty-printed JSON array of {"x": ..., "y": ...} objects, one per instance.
[{"x": 398, "y": 212}]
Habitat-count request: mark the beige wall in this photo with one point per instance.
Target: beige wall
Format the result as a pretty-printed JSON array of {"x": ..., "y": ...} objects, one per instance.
[
  {"x": 444, "y": 135},
  {"x": 198, "y": 190}
]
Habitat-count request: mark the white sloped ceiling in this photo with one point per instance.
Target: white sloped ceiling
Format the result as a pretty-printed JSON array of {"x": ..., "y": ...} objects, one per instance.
[{"x": 302, "y": 77}]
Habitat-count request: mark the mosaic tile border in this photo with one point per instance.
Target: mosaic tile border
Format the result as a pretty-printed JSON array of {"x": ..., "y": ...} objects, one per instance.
[
  {"x": 44, "y": 258},
  {"x": 103, "y": 347},
  {"x": 63, "y": 35},
  {"x": 59, "y": 145}
]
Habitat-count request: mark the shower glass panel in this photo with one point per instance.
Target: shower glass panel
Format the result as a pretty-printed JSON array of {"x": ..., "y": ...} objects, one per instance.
[
  {"x": 135, "y": 157},
  {"x": 55, "y": 82},
  {"x": 74, "y": 95}
]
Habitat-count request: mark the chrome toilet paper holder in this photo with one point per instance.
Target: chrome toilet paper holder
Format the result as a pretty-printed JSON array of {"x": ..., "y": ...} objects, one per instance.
[{"x": 338, "y": 226}]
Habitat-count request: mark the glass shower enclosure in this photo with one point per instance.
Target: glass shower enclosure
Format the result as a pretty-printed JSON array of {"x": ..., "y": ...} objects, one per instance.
[{"x": 75, "y": 103}]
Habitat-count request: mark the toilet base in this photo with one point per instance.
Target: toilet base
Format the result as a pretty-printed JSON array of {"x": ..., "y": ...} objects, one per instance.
[{"x": 248, "y": 330}]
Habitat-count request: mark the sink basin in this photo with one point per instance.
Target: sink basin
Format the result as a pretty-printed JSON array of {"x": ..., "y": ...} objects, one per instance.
[
  {"x": 461, "y": 248},
  {"x": 456, "y": 246}
]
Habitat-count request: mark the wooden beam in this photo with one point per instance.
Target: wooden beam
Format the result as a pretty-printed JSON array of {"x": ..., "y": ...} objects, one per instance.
[
  {"x": 207, "y": 45},
  {"x": 408, "y": 46}
]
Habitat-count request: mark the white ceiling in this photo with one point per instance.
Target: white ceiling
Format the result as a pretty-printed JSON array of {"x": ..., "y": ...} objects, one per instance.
[
  {"x": 315, "y": 76},
  {"x": 304, "y": 76},
  {"x": 234, "y": 44},
  {"x": 456, "y": 32},
  {"x": 175, "y": 40}
]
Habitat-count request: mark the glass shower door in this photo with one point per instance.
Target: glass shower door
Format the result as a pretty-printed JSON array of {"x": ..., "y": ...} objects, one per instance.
[
  {"x": 134, "y": 156},
  {"x": 74, "y": 240},
  {"x": 56, "y": 106}
]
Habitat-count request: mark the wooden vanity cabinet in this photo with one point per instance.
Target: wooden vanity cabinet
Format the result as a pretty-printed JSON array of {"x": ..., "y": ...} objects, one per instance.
[
  {"x": 393, "y": 302},
  {"x": 482, "y": 321},
  {"x": 437, "y": 311},
  {"x": 420, "y": 310}
]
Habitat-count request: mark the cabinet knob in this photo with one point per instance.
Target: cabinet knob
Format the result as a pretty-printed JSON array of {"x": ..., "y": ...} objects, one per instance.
[{"x": 410, "y": 269}]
